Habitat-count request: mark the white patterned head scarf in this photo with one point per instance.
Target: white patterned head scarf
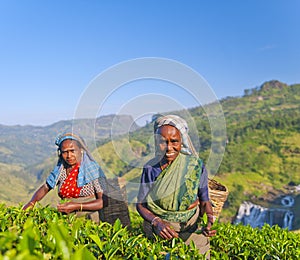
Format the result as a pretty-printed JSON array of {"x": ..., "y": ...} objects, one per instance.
[{"x": 181, "y": 125}]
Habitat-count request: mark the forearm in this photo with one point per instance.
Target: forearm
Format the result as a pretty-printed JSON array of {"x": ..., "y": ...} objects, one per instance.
[
  {"x": 206, "y": 207},
  {"x": 144, "y": 212},
  {"x": 93, "y": 205},
  {"x": 37, "y": 196},
  {"x": 40, "y": 193}
]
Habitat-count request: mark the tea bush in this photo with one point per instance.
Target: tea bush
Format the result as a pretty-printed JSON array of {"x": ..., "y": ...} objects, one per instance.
[{"x": 44, "y": 233}]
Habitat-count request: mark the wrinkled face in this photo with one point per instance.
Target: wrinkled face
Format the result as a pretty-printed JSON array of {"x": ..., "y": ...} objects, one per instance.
[
  {"x": 70, "y": 152},
  {"x": 168, "y": 140}
]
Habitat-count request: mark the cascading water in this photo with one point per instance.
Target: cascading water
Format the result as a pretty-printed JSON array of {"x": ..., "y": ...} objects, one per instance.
[{"x": 256, "y": 215}]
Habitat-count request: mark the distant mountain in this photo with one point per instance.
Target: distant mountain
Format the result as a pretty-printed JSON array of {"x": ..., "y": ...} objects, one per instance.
[{"x": 27, "y": 145}]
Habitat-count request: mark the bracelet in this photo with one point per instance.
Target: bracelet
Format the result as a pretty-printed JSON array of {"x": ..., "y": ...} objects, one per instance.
[
  {"x": 80, "y": 206},
  {"x": 152, "y": 221}
]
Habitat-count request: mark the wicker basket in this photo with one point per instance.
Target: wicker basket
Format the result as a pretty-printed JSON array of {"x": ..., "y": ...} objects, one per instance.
[
  {"x": 218, "y": 194},
  {"x": 117, "y": 202}
]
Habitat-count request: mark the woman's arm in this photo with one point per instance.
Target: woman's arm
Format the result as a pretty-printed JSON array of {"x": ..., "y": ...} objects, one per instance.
[
  {"x": 37, "y": 196},
  {"x": 205, "y": 207},
  {"x": 144, "y": 212},
  {"x": 93, "y": 205}
]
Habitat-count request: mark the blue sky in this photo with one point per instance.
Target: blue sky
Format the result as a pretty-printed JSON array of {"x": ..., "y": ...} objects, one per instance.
[{"x": 51, "y": 51}]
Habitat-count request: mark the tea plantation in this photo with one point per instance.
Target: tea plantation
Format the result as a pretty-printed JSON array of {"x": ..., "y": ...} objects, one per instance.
[{"x": 44, "y": 233}]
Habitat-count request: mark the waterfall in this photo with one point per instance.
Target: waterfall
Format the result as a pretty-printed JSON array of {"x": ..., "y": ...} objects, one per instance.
[{"x": 256, "y": 216}]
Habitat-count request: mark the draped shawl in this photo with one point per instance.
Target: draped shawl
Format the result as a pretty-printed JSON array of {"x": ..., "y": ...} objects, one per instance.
[{"x": 175, "y": 189}]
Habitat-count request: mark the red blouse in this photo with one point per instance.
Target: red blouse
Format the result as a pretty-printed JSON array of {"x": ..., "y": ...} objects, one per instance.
[{"x": 69, "y": 188}]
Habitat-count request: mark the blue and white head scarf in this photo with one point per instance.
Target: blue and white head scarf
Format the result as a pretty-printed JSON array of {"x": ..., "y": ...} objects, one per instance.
[
  {"x": 89, "y": 169},
  {"x": 182, "y": 126}
]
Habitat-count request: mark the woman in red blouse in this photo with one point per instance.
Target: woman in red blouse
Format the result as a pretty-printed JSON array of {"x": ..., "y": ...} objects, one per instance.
[{"x": 79, "y": 178}]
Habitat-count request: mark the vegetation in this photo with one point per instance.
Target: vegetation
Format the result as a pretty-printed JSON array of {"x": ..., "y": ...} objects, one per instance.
[{"x": 44, "y": 233}]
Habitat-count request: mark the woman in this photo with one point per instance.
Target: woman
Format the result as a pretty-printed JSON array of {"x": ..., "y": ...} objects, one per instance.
[
  {"x": 173, "y": 191},
  {"x": 79, "y": 178}
]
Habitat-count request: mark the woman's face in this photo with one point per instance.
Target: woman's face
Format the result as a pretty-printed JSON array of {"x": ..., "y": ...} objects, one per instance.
[
  {"x": 168, "y": 140},
  {"x": 70, "y": 152}
]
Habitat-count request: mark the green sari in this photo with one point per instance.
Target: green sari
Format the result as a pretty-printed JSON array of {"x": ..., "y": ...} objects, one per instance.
[{"x": 175, "y": 189}]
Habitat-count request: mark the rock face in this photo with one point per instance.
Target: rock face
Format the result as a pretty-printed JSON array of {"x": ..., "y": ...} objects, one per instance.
[{"x": 256, "y": 216}]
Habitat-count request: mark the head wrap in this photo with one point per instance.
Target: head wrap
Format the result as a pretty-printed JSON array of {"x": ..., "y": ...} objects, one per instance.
[
  {"x": 180, "y": 124},
  {"x": 70, "y": 136},
  {"x": 89, "y": 169}
]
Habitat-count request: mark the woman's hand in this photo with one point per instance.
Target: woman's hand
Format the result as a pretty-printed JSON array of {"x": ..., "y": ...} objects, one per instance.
[
  {"x": 67, "y": 207},
  {"x": 163, "y": 229},
  {"x": 208, "y": 232},
  {"x": 29, "y": 205},
  {"x": 194, "y": 204},
  {"x": 205, "y": 207}
]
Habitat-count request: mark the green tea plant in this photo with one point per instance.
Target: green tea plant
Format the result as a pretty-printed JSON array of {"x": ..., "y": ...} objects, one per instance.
[
  {"x": 44, "y": 233},
  {"x": 245, "y": 242}
]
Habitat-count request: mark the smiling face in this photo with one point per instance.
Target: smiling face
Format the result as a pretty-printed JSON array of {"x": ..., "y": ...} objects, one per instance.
[
  {"x": 168, "y": 141},
  {"x": 70, "y": 152}
]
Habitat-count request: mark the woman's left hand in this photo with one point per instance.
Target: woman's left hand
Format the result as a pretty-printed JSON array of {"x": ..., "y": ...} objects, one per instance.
[
  {"x": 67, "y": 207},
  {"x": 164, "y": 230},
  {"x": 208, "y": 232}
]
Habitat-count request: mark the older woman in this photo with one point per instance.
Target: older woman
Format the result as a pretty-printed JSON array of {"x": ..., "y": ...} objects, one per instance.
[
  {"x": 174, "y": 187},
  {"x": 79, "y": 178}
]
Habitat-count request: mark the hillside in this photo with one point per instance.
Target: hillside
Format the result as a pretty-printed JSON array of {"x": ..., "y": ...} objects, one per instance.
[
  {"x": 262, "y": 158},
  {"x": 262, "y": 155}
]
